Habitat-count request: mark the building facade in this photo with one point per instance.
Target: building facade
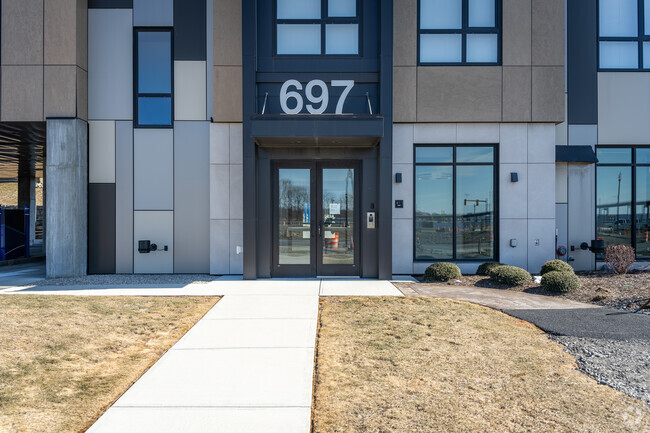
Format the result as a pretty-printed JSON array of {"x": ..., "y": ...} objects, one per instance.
[{"x": 304, "y": 138}]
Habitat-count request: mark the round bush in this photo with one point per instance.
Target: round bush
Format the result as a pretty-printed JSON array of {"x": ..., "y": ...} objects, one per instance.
[
  {"x": 556, "y": 265},
  {"x": 563, "y": 282},
  {"x": 510, "y": 275},
  {"x": 486, "y": 267},
  {"x": 442, "y": 272}
]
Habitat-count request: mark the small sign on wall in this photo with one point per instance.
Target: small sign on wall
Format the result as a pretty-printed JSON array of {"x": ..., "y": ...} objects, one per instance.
[{"x": 335, "y": 208}]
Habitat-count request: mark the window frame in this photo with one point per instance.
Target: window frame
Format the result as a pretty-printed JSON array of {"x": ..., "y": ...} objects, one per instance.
[
  {"x": 633, "y": 166},
  {"x": 323, "y": 21},
  {"x": 464, "y": 31},
  {"x": 136, "y": 78},
  {"x": 454, "y": 164},
  {"x": 640, "y": 38}
]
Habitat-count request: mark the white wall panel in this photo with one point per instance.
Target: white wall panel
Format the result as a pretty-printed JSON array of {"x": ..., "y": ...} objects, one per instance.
[
  {"x": 191, "y": 197},
  {"x": 513, "y": 143},
  {"x": 583, "y": 134},
  {"x": 153, "y": 13},
  {"x": 101, "y": 152},
  {"x": 513, "y": 195},
  {"x": 190, "y": 90},
  {"x": 236, "y": 191},
  {"x": 220, "y": 191},
  {"x": 220, "y": 247},
  {"x": 403, "y": 143},
  {"x": 516, "y": 229},
  {"x": 561, "y": 187},
  {"x": 424, "y": 133},
  {"x": 541, "y": 143},
  {"x": 236, "y": 240},
  {"x": 110, "y": 64},
  {"x": 542, "y": 230},
  {"x": 158, "y": 227},
  {"x": 402, "y": 246},
  {"x": 219, "y": 143},
  {"x": 153, "y": 169},
  {"x": 541, "y": 191},
  {"x": 478, "y": 133},
  {"x": 403, "y": 191},
  {"x": 623, "y": 108},
  {"x": 236, "y": 143},
  {"x": 582, "y": 206}
]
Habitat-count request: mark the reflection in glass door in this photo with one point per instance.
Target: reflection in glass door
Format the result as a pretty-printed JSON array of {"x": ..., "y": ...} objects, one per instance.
[
  {"x": 294, "y": 219},
  {"x": 338, "y": 216}
]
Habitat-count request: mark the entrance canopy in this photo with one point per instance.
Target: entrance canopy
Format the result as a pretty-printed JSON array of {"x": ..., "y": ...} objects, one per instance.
[{"x": 279, "y": 130}]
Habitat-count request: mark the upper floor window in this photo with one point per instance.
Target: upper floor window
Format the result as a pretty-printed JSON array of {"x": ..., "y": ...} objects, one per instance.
[
  {"x": 624, "y": 34},
  {"x": 317, "y": 27},
  {"x": 457, "y": 32},
  {"x": 153, "y": 78}
]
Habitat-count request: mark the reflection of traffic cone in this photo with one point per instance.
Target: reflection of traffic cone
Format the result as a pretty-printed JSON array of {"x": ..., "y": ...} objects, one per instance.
[
  {"x": 335, "y": 241},
  {"x": 645, "y": 237},
  {"x": 491, "y": 236}
]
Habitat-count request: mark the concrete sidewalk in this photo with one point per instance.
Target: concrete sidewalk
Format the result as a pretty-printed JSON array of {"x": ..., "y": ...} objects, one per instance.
[{"x": 246, "y": 367}]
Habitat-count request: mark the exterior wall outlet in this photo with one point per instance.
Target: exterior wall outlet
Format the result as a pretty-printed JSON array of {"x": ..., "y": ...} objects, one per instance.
[
  {"x": 513, "y": 243},
  {"x": 536, "y": 242}
]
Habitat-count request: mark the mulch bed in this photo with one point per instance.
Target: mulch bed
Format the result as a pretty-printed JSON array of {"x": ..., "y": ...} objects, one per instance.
[{"x": 628, "y": 291}]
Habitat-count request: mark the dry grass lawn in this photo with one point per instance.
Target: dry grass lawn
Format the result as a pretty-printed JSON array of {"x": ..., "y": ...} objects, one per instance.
[
  {"x": 397, "y": 365},
  {"x": 9, "y": 194},
  {"x": 65, "y": 360}
]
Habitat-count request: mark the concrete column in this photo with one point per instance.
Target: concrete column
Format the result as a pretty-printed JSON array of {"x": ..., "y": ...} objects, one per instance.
[{"x": 67, "y": 202}]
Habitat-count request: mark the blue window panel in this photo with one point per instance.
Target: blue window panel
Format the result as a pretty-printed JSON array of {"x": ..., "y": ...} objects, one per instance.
[
  {"x": 619, "y": 55},
  {"x": 342, "y": 8},
  {"x": 434, "y": 154},
  {"x": 155, "y": 111},
  {"x": 646, "y": 55},
  {"x": 614, "y": 156},
  {"x": 299, "y": 39},
  {"x": 618, "y": 17},
  {"x": 441, "y": 48},
  {"x": 646, "y": 14},
  {"x": 643, "y": 156},
  {"x": 298, "y": 9},
  {"x": 482, "y": 13},
  {"x": 342, "y": 39},
  {"x": 441, "y": 14},
  {"x": 482, "y": 48},
  {"x": 474, "y": 154},
  {"x": 154, "y": 62}
]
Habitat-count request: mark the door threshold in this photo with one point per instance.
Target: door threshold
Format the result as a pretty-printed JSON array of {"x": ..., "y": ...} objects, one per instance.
[{"x": 337, "y": 277}]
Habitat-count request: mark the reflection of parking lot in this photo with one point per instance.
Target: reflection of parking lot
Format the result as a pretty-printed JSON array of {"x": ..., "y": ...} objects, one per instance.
[{"x": 436, "y": 243}]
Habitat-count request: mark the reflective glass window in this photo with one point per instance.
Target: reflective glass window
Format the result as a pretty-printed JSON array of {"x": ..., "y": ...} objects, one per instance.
[
  {"x": 299, "y": 9},
  {"x": 619, "y": 55},
  {"x": 618, "y": 17},
  {"x": 642, "y": 212},
  {"x": 459, "y": 32},
  {"x": 299, "y": 39},
  {"x": 624, "y": 34},
  {"x": 460, "y": 227},
  {"x": 153, "y": 83},
  {"x": 342, "y": 8},
  {"x": 609, "y": 155},
  {"x": 342, "y": 39}
]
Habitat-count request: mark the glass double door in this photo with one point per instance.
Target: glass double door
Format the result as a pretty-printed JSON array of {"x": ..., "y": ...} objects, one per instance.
[{"x": 315, "y": 219}]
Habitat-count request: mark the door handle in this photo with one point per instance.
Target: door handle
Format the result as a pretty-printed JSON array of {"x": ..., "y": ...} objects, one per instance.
[{"x": 320, "y": 228}]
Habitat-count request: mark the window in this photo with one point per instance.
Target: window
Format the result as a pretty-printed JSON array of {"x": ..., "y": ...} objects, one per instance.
[
  {"x": 459, "y": 32},
  {"x": 153, "y": 84},
  {"x": 623, "y": 197},
  {"x": 455, "y": 202},
  {"x": 624, "y": 34},
  {"x": 314, "y": 27}
]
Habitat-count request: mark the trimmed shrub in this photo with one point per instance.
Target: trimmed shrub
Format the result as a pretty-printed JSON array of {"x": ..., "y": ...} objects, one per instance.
[
  {"x": 556, "y": 265},
  {"x": 442, "y": 271},
  {"x": 510, "y": 275},
  {"x": 619, "y": 258},
  {"x": 562, "y": 282},
  {"x": 486, "y": 267}
]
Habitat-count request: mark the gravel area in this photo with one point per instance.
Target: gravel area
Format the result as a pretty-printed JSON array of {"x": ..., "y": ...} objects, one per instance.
[
  {"x": 622, "y": 365},
  {"x": 127, "y": 279}
]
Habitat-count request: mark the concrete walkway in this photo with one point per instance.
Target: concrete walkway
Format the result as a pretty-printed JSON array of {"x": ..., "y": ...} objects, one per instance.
[
  {"x": 554, "y": 315},
  {"x": 246, "y": 367},
  {"x": 21, "y": 274}
]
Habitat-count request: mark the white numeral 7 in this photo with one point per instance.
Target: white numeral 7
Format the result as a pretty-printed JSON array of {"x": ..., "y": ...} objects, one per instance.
[{"x": 348, "y": 84}]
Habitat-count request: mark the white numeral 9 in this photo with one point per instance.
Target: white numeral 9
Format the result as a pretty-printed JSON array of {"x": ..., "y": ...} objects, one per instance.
[
  {"x": 285, "y": 95},
  {"x": 323, "y": 99}
]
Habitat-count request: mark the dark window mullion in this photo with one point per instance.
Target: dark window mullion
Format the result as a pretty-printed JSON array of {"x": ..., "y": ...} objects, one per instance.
[
  {"x": 640, "y": 35},
  {"x": 454, "y": 231}
]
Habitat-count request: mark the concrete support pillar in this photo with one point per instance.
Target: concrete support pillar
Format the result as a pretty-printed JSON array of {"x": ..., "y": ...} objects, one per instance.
[{"x": 67, "y": 202}]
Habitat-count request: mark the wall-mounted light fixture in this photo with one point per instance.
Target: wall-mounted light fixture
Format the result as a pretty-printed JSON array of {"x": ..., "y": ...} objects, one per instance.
[
  {"x": 398, "y": 177},
  {"x": 514, "y": 177}
]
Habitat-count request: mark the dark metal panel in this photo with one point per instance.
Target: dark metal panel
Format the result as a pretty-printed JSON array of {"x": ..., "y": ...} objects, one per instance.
[
  {"x": 384, "y": 215},
  {"x": 190, "y": 30},
  {"x": 249, "y": 52},
  {"x": 575, "y": 154},
  {"x": 582, "y": 62},
  {"x": 101, "y": 228},
  {"x": 369, "y": 202},
  {"x": 110, "y": 4}
]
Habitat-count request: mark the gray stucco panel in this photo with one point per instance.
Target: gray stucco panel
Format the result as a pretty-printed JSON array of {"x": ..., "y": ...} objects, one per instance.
[
  {"x": 110, "y": 64},
  {"x": 153, "y": 13},
  {"x": 124, "y": 197},
  {"x": 192, "y": 197}
]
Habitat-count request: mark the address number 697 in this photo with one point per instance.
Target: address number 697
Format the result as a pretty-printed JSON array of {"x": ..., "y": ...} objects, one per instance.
[{"x": 318, "y": 104}]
